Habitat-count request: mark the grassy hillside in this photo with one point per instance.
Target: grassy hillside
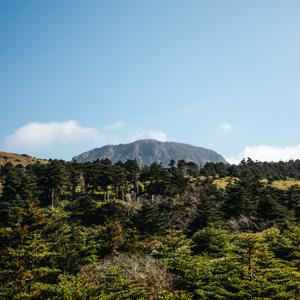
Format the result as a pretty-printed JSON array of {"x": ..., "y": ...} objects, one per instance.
[{"x": 16, "y": 159}]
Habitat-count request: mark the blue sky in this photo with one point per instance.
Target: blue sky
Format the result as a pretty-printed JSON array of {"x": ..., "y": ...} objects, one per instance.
[{"x": 219, "y": 74}]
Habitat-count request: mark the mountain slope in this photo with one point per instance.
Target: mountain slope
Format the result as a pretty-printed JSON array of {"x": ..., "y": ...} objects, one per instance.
[
  {"x": 148, "y": 151},
  {"x": 16, "y": 159}
]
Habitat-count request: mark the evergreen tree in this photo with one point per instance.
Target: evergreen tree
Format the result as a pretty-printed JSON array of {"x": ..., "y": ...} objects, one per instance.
[
  {"x": 11, "y": 199},
  {"x": 27, "y": 272}
]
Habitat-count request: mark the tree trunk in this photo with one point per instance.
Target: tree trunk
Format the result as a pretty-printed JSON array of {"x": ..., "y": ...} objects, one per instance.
[{"x": 52, "y": 197}]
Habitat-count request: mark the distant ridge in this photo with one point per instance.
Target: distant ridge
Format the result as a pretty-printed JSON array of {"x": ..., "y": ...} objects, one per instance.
[{"x": 148, "y": 151}]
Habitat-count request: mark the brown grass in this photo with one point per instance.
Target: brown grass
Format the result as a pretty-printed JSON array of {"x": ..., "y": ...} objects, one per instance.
[{"x": 19, "y": 159}]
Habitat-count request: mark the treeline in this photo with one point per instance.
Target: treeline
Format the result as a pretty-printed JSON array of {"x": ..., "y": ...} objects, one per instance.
[
  {"x": 266, "y": 170},
  {"x": 117, "y": 231}
]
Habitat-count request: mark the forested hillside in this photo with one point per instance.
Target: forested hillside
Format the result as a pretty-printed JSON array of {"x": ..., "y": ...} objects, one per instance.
[{"x": 118, "y": 231}]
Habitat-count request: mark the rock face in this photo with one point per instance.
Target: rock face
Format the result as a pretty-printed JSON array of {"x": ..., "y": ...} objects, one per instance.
[{"x": 148, "y": 151}]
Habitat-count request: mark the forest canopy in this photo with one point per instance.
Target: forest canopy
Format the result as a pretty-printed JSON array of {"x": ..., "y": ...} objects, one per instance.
[{"x": 119, "y": 231}]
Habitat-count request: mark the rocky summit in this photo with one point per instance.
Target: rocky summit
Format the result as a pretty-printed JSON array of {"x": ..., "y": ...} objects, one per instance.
[{"x": 148, "y": 151}]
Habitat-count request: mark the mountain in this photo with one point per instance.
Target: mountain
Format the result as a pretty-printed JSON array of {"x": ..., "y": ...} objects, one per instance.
[
  {"x": 148, "y": 151},
  {"x": 16, "y": 159}
]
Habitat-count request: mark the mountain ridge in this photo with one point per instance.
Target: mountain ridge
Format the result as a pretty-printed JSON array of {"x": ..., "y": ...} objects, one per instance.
[{"x": 147, "y": 151}]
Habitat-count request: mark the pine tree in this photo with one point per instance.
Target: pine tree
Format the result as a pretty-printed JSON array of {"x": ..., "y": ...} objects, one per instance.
[
  {"x": 11, "y": 199},
  {"x": 208, "y": 213},
  {"x": 26, "y": 271}
]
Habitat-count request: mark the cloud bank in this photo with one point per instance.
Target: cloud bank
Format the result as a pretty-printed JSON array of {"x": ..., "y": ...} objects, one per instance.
[
  {"x": 268, "y": 153},
  {"x": 39, "y": 136}
]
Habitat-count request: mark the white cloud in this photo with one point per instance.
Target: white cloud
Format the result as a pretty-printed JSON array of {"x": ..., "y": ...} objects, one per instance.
[
  {"x": 225, "y": 128},
  {"x": 43, "y": 136},
  {"x": 149, "y": 134},
  {"x": 157, "y": 135},
  {"x": 113, "y": 126},
  {"x": 267, "y": 153},
  {"x": 37, "y": 135}
]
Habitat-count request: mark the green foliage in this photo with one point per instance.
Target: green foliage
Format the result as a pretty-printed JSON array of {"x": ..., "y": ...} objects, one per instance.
[
  {"x": 212, "y": 241},
  {"x": 208, "y": 213},
  {"x": 75, "y": 246},
  {"x": 26, "y": 270},
  {"x": 104, "y": 231},
  {"x": 149, "y": 219},
  {"x": 176, "y": 295},
  {"x": 286, "y": 244},
  {"x": 74, "y": 287},
  {"x": 112, "y": 286},
  {"x": 173, "y": 245},
  {"x": 116, "y": 287}
]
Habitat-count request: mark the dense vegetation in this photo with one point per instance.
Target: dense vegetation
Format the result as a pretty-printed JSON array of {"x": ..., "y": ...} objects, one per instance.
[{"x": 104, "y": 231}]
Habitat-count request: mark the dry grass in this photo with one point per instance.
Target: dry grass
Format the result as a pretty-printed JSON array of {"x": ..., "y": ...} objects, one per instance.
[
  {"x": 222, "y": 183},
  {"x": 17, "y": 159},
  {"x": 285, "y": 184}
]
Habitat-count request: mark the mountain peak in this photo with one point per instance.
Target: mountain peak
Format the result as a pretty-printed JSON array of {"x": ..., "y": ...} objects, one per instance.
[{"x": 147, "y": 151}]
